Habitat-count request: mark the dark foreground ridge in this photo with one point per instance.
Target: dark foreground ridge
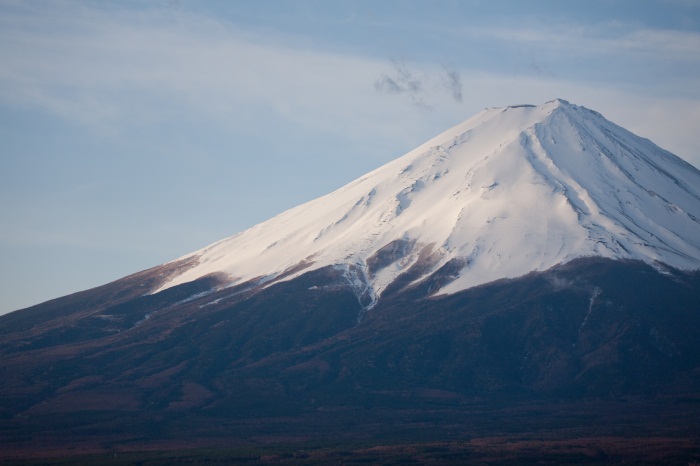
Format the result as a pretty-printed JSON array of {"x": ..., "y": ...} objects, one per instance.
[{"x": 595, "y": 361}]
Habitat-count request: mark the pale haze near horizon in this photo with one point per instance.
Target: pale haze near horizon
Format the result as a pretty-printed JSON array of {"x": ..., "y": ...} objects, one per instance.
[{"x": 135, "y": 132}]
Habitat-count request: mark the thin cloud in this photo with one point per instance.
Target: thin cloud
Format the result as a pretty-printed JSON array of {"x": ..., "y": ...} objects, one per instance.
[
  {"x": 402, "y": 80},
  {"x": 606, "y": 39},
  {"x": 422, "y": 88},
  {"x": 108, "y": 71},
  {"x": 454, "y": 83}
]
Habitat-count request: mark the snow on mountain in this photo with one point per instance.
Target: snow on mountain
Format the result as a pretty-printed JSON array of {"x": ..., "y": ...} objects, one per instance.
[{"x": 508, "y": 191}]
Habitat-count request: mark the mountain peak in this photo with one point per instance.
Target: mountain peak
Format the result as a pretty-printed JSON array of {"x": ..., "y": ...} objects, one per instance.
[
  {"x": 506, "y": 192},
  {"x": 560, "y": 102},
  {"x": 549, "y": 104}
]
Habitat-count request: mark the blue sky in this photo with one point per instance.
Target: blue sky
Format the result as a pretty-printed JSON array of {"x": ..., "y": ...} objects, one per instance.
[{"x": 133, "y": 132}]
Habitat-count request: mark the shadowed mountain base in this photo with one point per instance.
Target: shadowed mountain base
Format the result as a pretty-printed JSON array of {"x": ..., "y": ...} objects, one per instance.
[{"x": 595, "y": 361}]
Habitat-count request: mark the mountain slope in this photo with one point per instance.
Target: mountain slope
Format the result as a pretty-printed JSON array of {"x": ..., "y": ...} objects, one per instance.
[{"x": 509, "y": 191}]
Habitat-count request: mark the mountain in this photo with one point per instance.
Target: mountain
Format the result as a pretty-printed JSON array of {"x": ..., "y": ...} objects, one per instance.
[{"x": 526, "y": 284}]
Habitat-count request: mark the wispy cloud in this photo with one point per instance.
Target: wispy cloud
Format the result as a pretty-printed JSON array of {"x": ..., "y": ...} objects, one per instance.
[
  {"x": 401, "y": 80},
  {"x": 105, "y": 69},
  {"x": 454, "y": 83},
  {"x": 608, "y": 38},
  {"x": 113, "y": 70},
  {"x": 420, "y": 86}
]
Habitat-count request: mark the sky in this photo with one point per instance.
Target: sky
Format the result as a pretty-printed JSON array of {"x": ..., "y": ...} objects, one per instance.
[{"x": 135, "y": 132}]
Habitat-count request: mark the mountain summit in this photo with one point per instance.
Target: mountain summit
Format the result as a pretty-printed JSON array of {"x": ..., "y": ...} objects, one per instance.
[{"x": 508, "y": 191}]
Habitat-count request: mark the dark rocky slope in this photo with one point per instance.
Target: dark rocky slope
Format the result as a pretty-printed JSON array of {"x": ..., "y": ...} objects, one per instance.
[{"x": 547, "y": 352}]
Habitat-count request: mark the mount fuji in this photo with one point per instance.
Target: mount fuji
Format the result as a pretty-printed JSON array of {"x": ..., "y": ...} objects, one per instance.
[
  {"x": 509, "y": 191},
  {"x": 527, "y": 281}
]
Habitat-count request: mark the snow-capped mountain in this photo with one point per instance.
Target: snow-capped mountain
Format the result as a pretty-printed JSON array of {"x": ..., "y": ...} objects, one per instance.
[
  {"x": 508, "y": 191},
  {"x": 355, "y": 316}
]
